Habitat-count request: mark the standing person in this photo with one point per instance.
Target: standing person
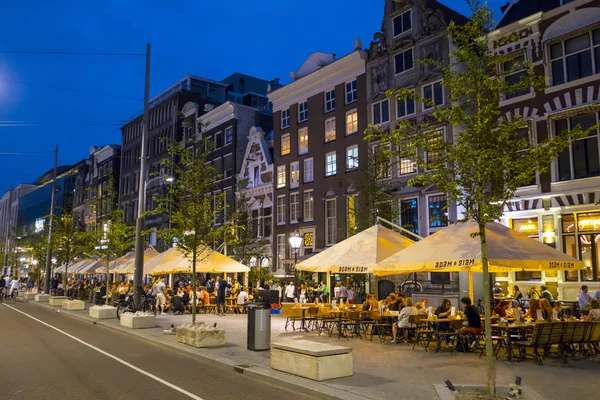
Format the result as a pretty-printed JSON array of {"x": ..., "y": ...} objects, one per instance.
[
  {"x": 350, "y": 296},
  {"x": 278, "y": 288},
  {"x": 222, "y": 287},
  {"x": 343, "y": 293},
  {"x": 159, "y": 293},
  {"x": 290, "y": 292},
  {"x": 584, "y": 300},
  {"x": 324, "y": 292},
  {"x": 302, "y": 293},
  {"x": 547, "y": 295},
  {"x": 336, "y": 291},
  {"x": 14, "y": 285}
]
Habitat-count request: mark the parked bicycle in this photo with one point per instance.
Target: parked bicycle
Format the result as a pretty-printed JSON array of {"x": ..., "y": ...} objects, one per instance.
[
  {"x": 2, "y": 291},
  {"x": 147, "y": 304}
]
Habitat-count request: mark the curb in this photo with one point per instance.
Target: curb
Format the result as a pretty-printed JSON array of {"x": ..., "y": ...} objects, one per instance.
[{"x": 255, "y": 372}]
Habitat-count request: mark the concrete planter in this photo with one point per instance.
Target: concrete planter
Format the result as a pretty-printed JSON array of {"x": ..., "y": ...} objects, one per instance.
[
  {"x": 57, "y": 300},
  {"x": 73, "y": 305},
  {"x": 200, "y": 335},
  {"x": 138, "y": 320},
  {"x": 30, "y": 296},
  {"x": 103, "y": 312},
  {"x": 42, "y": 298}
]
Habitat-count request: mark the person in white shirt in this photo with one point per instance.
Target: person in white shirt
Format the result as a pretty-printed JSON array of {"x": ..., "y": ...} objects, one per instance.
[
  {"x": 7, "y": 280},
  {"x": 289, "y": 292},
  {"x": 242, "y": 297},
  {"x": 14, "y": 285},
  {"x": 584, "y": 300},
  {"x": 159, "y": 292}
]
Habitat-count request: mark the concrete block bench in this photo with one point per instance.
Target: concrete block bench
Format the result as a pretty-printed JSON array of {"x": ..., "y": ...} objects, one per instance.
[
  {"x": 42, "y": 298},
  {"x": 200, "y": 335},
  {"x": 103, "y": 312},
  {"x": 317, "y": 361},
  {"x": 30, "y": 296},
  {"x": 73, "y": 305},
  {"x": 139, "y": 320},
  {"x": 57, "y": 300}
]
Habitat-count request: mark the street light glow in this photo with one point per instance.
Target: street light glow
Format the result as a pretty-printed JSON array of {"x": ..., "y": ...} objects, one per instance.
[
  {"x": 169, "y": 179},
  {"x": 296, "y": 240}
]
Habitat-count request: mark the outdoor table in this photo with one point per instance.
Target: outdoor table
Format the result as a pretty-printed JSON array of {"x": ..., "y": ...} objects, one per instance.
[
  {"x": 339, "y": 314},
  {"x": 438, "y": 339},
  {"x": 303, "y": 321},
  {"x": 511, "y": 329}
]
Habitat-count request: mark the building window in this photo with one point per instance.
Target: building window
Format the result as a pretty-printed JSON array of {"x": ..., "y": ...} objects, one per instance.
[
  {"x": 409, "y": 215},
  {"x": 352, "y": 157},
  {"x": 403, "y": 61},
  {"x": 302, "y": 111},
  {"x": 403, "y": 23},
  {"x": 575, "y": 58},
  {"x": 530, "y": 227},
  {"x": 330, "y": 222},
  {"x": 294, "y": 174},
  {"x": 351, "y": 122},
  {"x": 228, "y": 173},
  {"x": 309, "y": 205},
  {"x": 525, "y": 134},
  {"x": 255, "y": 227},
  {"x": 438, "y": 213},
  {"x": 285, "y": 144},
  {"x": 581, "y": 239},
  {"x": 267, "y": 221},
  {"x": 434, "y": 92},
  {"x": 405, "y": 107},
  {"x": 330, "y": 100},
  {"x": 515, "y": 69},
  {"x": 218, "y": 140},
  {"x": 381, "y": 112},
  {"x": 228, "y": 135},
  {"x": 351, "y": 208},
  {"x": 281, "y": 177},
  {"x": 383, "y": 166},
  {"x": 281, "y": 210},
  {"x": 285, "y": 118},
  {"x": 351, "y": 92},
  {"x": 256, "y": 176},
  {"x": 330, "y": 130},
  {"x": 582, "y": 158},
  {"x": 330, "y": 164},
  {"x": 303, "y": 141},
  {"x": 407, "y": 165},
  {"x": 294, "y": 208},
  {"x": 433, "y": 154},
  {"x": 308, "y": 170},
  {"x": 281, "y": 243}
]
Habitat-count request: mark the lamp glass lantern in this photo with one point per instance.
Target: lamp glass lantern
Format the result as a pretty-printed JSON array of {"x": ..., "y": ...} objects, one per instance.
[{"x": 296, "y": 243}]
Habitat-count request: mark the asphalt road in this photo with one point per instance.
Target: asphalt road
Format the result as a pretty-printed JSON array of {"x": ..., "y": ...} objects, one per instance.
[{"x": 39, "y": 362}]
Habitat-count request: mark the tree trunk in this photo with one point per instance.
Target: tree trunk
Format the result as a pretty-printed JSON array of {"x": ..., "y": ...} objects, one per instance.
[
  {"x": 194, "y": 300},
  {"x": 107, "y": 275},
  {"x": 489, "y": 351}
]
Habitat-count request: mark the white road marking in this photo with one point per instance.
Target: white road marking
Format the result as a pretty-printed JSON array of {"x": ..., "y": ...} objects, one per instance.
[{"x": 133, "y": 367}]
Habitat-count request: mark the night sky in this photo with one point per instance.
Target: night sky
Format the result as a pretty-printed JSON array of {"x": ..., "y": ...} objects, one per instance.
[{"x": 212, "y": 39}]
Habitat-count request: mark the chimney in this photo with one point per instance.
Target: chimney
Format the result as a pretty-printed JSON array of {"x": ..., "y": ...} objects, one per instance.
[
  {"x": 277, "y": 80},
  {"x": 504, "y": 7}
]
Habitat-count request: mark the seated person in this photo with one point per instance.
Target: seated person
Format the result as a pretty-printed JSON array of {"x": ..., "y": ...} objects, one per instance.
[
  {"x": 594, "y": 314},
  {"x": 421, "y": 308},
  {"x": 242, "y": 299},
  {"x": 473, "y": 318},
  {"x": 500, "y": 309},
  {"x": 177, "y": 303},
  {"x": 404, "y": 318},
  {"x": 546, "y": 309},
  {"x": 444, "y": 311},
  {"x": 532, "y": 312},
  {"x": 510, "y": 311},
  {"x": 204, "y": 296},
  {"x": 497, "y": 289},
  {"x": 558, "y": 307}
]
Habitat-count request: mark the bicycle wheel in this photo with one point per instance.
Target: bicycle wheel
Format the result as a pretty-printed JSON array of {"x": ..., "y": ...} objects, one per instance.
[
  {"x": 149, "y": 306},
  {"x": 123, "y": 307}
]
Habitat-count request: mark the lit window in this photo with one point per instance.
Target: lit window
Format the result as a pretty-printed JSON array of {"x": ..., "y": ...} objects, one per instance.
[
  {"x": 351, "y": 122},
  {"x": 281, "y": 210},
  {"x": 403, "y": 23},
  {"x": 285, "y": 144},
  {"x": 302, "y": 111},
  {"x": 294, "y": 207},
  {"x": 434, "y": 92},
  {"x": 409, "y": 215},
  {"x": 330, "y": 100},
  {"x": 438, "y": 213},
  {"x": 351, "y": 208},
  {"x": 351, "y": 92},
  {"x": 433, "y": 154},
  {"x": 281, "y": 176},
  {"x": 309, "y": 205},
  {"x": 575, "y": 58},
  {"x": 303, "y": 141},
  {"x": 331, "y": 222},
  {"x": 308, "y": 170},
  {"x": 330, "y": 130},
  {"x": 403, "y": 61},
  {"x": 294, "y": 174},
  {"x": 281, "y": 245},
  {"x": 228, "y": 135},
  {"x": 381, "y": 112},
  {"x": 352, "y": 157},
  {"x": 330, "y": 164},
  {"x": 285, "y": 118},
  {"x": 383, "y": 166},
  {"x": 407, "y": 165}
]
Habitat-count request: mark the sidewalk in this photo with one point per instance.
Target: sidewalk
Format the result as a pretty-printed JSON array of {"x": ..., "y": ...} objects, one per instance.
[{"x": 381, "y": 370}]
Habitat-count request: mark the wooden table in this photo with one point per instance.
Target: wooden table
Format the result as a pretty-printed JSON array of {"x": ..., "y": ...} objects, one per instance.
[{"x": 438, "y": 339}]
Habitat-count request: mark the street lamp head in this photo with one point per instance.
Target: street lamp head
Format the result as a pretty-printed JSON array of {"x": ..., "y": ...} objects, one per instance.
[
  {"x": 53, "y": 260},
  {"x": 296, "y": 240},
  {"x": 35, "y": 262},
  {"x": 169, "y": 179},
  {"x": 22, "y": 259}
]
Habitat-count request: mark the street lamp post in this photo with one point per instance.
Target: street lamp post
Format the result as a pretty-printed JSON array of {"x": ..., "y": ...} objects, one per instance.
[
  {"x": 296, "y": 243},
  {"x": 35, "y": 263}
]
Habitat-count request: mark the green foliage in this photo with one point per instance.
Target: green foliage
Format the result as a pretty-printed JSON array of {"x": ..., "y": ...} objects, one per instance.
[
  {"x": 243, "y": 240},
  {"x": 259, "y": 274}
]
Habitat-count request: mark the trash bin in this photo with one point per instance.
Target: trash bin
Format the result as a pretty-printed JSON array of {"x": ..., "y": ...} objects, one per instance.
[{"x": 259, "y": 326}]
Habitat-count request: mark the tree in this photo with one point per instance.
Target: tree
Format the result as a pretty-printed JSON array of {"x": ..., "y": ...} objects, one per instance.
[
  {"x": 246, "y": 242},
  {"x": 197, "y": 215},
  {"x": 70, "y": 240},
  {"x": 116, "y": 237},
  {"x": 36, "y": 246},
  {"x": 375, "y": 199},
  {"x": 489, "y": 157}
]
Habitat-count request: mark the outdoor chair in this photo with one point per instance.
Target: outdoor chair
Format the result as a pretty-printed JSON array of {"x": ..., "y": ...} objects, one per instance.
[
  {"x": 351, "y": 325},
  {"x": 592, "y": 339},
  {"x": 326, "y": 319},
  {"x": 540, "y": 337},
  {"x": 311, "y": 318},
  {"x": 424, "y": 334}
]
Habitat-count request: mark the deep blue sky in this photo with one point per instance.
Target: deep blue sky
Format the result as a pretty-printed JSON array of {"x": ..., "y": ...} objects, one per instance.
[{"x": 265, "y": 38}]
